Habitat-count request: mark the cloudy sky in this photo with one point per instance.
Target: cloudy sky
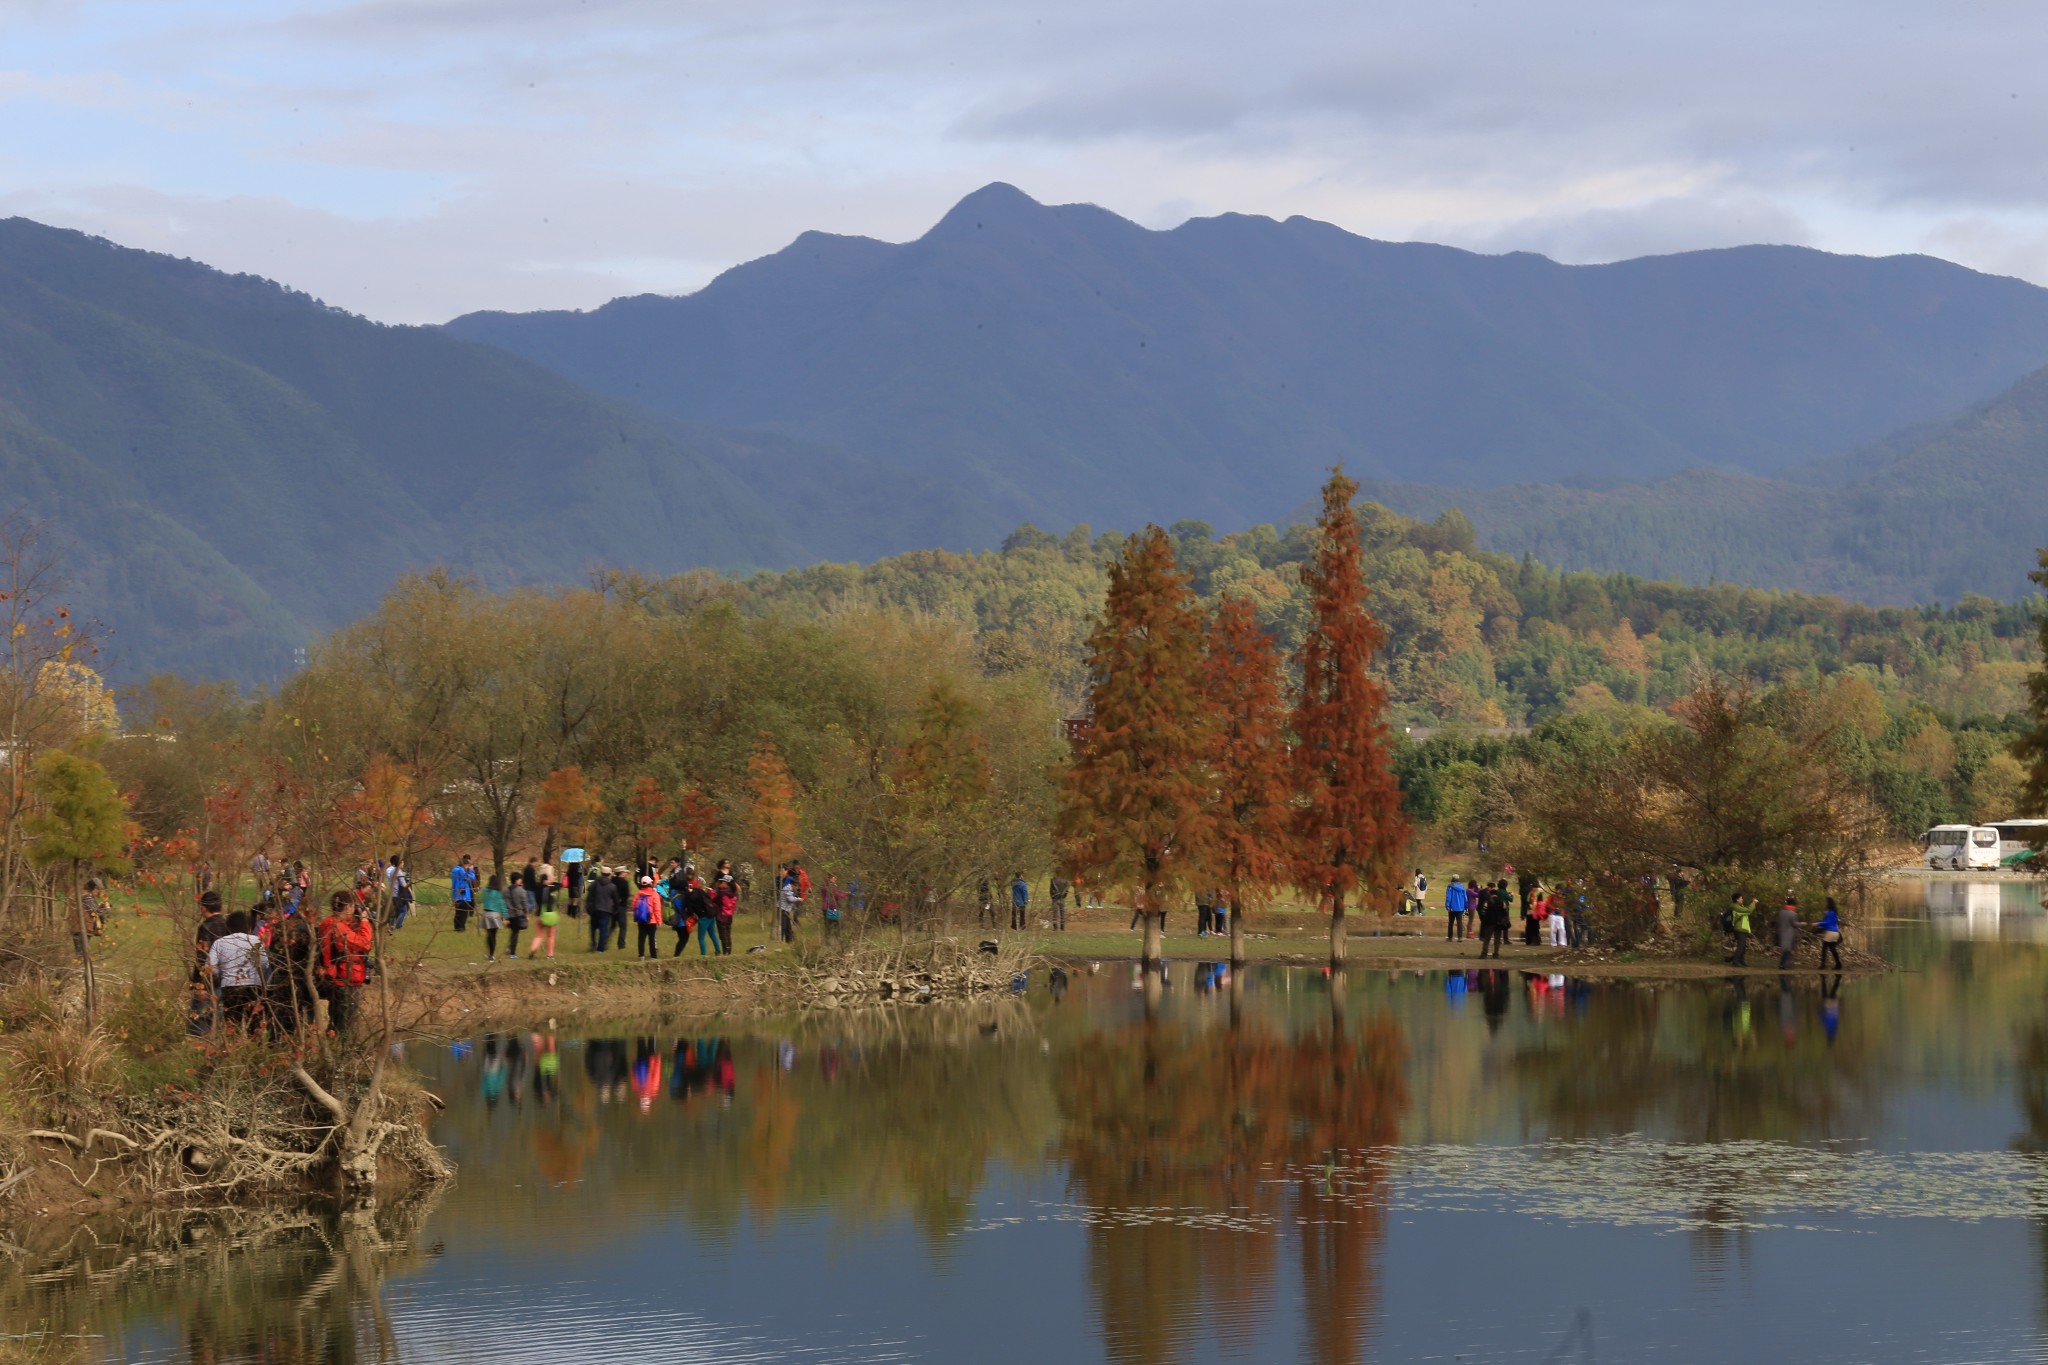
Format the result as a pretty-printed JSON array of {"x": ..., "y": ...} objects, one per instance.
[{"x": 413, "y": 159}]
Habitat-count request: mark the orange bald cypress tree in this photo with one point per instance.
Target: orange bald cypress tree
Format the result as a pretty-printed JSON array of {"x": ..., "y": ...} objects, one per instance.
[
  {"x": 1250, "y": 767},
  {"x": 1348, "y": 826},
  {"x": 1134, "y": 802}
]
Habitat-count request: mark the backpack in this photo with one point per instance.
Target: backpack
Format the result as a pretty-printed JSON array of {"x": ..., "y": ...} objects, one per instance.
[{"x": 1727, "y": 921}]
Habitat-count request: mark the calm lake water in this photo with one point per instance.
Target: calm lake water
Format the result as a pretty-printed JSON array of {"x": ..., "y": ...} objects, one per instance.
[{"x": 1411, "y": 1166}]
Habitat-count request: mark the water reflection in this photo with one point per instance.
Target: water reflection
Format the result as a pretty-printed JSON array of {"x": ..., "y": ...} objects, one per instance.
[
  {"x": 2010, "y": 910},
  {"x": 1250, "y": 1165},
  {"x": 252, "y": 1285},
  {"x": 1191, "y": 1145}
]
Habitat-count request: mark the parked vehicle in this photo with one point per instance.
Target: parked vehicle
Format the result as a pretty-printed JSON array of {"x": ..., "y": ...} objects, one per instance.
[{"x": 1962, "y": 848}]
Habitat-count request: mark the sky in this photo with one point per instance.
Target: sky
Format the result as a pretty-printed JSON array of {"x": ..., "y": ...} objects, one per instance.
[{"x": 415, "y": 159}]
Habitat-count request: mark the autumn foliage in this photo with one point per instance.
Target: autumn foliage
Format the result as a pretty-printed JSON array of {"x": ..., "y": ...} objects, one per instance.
[
  {"x": 1249, "y": 762},
  {"x": 1348, "y": 826},
  {"x": 1136, "y": 802},
  {"x": 569, "y": 804},
  {"x": 771, "y": 808}
]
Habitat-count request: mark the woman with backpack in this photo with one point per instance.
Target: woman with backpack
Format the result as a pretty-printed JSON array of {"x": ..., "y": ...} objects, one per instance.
[{"x": 647, "y": 919}]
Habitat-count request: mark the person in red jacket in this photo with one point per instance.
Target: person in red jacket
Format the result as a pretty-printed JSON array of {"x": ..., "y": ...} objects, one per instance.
[{"x": 347, "y": 942}]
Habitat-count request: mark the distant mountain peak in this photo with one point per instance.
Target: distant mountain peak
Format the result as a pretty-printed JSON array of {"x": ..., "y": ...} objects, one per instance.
[{"x": 994, "y": 206}]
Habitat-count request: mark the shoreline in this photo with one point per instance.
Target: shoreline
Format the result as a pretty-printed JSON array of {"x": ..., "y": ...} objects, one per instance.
[{"x": 567, "y": 989}]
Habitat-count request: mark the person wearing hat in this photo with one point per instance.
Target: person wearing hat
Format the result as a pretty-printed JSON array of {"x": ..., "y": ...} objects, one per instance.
[{"x": 647, "y": 919}]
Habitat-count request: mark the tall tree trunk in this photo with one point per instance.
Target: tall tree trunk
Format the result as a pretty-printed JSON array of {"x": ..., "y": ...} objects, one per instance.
[
  {"x": 92, "y": 1003},
  {"x": 1336, "y": 928},
  {"x": 1236, "y": 937},
  {"x": 1155, "y": 932}
]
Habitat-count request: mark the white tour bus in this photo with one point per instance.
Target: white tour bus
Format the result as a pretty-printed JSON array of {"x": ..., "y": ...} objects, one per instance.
[
  {"x": 2017, "y": 839},
  {"x": 1961, "y": 848}
]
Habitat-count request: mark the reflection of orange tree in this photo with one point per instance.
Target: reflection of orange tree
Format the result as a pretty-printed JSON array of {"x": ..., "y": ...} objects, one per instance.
[
  {"x": 1165, "y": 1130},
  {"x": 563, "y": 1144}
]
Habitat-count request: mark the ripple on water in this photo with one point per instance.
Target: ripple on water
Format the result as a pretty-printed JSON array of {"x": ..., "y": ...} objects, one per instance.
[{"x": 454, "y": 1323}]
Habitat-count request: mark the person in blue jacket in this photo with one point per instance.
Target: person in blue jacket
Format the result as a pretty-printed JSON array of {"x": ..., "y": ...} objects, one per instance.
[
  {"x": 1457, "y": 900},
  {"x": 462, "y": 885},
  {"x": 1020, "y": 900}
]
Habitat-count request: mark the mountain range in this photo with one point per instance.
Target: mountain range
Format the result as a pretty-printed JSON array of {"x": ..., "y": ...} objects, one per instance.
[
  {"x": 1070, "y": 365},
  {"x": 233, "y": 467}
]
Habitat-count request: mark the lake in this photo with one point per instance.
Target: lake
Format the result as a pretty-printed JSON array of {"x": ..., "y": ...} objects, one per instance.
[{"x": 1480, "y": 1166}]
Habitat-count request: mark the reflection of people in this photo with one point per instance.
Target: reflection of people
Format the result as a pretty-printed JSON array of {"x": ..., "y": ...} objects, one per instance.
[
  {"x": 1493, "y": 995},
  {"x": 1830, "y": 1007},
  {"x": 1737, "y": 1014},
  {"x": 547, "y": 1068},
  {"x": 493, "y": 1078}
]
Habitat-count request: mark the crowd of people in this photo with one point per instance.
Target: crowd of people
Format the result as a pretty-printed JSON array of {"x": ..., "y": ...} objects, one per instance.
[
  {"x": 1561, "y": 917},
  {"x": 1553, "y": 916},
  {"x": 267, "y": 966},
  {"x": 610, "y": 898},
  {"x": 270, "y": 963}
]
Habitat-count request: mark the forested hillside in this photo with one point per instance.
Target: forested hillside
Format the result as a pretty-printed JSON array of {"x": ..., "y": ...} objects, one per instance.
[
  {"x": 231, "y": 467},
  {"x": 1476, "y": 638},
  {"x": 1935, "y": 513}
]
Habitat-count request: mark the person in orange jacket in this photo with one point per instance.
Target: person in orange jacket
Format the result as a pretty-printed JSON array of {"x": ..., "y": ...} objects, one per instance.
[{"x": 347, "y": 942}]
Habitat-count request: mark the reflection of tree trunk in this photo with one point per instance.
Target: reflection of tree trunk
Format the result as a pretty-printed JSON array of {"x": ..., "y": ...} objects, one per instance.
[
  {"x": 1236, "y": 998},
  {"x": 1154, "y": 990},
  {"x": 1337, "y": 1003}
]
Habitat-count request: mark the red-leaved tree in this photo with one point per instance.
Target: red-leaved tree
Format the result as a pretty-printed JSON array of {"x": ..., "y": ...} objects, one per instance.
[
  {"x": 1348, "y": 826},
  {"x": 1250, "y": 768},
  {"x": 1134, "y": 804},
  {"x": 649, "y": 817},
  {"x": 697, "y": 821}
]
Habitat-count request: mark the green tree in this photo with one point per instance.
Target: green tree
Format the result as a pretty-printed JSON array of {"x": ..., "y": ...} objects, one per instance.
[
  {"x": 78, "y": 818},
  {"x": 2032, "y": 748},
  {"x": 1740, "y": 790}
]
